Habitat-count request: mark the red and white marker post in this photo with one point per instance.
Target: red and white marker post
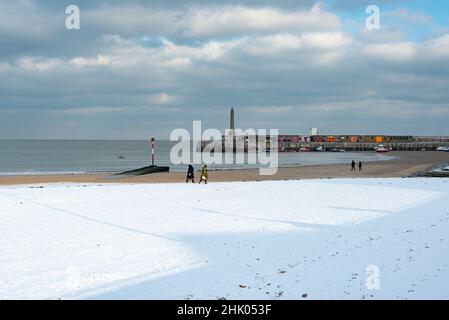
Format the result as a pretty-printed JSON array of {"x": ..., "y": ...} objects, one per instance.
[{"x": 153, "y": 142}]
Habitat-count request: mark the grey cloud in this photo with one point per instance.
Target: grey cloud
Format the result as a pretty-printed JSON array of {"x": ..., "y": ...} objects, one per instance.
[{"x": 100, "y": 83}]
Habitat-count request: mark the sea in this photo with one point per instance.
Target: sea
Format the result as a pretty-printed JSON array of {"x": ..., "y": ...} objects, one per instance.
[{"x": 28, "y": 157}]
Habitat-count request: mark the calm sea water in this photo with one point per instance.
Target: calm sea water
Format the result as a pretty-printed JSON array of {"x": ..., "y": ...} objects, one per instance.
[{"x": 89, "y": 156}]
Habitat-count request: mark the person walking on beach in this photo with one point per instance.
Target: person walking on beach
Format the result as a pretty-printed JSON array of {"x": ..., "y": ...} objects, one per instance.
[
  {"x": 204, "y": 174},
  {"x": 360, "y": 165},
  {"x": 352, "y": 165},
  {"x": 190, "y": 174}
]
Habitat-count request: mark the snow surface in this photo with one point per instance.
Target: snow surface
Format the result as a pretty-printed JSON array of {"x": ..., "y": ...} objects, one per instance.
[{"x": 239, "y": 240}]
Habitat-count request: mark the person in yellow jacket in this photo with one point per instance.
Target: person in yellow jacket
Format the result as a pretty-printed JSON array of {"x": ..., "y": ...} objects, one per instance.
[{"x": 204, "y": 174}]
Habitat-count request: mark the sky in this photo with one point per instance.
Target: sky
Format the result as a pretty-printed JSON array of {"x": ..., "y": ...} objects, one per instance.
[{"x": 138, "y": 69}]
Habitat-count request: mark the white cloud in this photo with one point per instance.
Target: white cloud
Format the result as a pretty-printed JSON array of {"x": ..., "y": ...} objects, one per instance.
[
  {"x": 163, "y": 98},
  {"x": 320, "y": 47},
  {"x": 229, "y": 20},
  {"x": 209, "y": 51},
  {"x": 100, "y": 60},
  {"x": 309, "y": 40},
  {"x": 325, "y": 40},
  {"x": 274, "y": 43},
  {"x": 396, "y": 52},
  {"x": 179, "y": 63},
  {"x": 439, "y": 46},
  {"x": 207, "y": 21},
  {"x": 38, "y": 64}
]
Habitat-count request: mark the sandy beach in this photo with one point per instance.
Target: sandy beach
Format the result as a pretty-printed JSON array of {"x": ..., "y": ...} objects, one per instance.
[{"x": 405, "y": 164}]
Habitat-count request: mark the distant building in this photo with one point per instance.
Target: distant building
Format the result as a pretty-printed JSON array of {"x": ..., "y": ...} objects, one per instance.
[
  {"x": 361, "y": 139},
  {"x": 250, "y": 140}
]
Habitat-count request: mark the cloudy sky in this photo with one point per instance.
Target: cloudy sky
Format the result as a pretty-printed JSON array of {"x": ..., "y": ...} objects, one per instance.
[{"x": 144, "y": 68}]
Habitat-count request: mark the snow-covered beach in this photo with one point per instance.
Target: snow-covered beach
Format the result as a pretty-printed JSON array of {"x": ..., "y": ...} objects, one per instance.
[{"x": 308, "y": 239}]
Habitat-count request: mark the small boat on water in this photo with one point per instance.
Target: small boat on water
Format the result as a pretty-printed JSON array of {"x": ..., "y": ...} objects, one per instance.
[{"x": 382, "y": 149}]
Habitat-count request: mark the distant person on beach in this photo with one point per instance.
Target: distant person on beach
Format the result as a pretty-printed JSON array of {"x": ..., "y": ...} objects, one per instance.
[
  {"x": 190, "y": 174},
  {"x": 352, "y": 165},
  {"x": 204, "y": 174},
  {"x": 360, "y": 165}
]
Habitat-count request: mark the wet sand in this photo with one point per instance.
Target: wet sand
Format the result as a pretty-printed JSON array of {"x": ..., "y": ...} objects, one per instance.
[{"x": 404, "y": 165}]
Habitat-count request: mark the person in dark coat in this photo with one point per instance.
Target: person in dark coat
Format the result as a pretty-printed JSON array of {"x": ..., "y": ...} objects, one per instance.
[
  {"x": 353, "y": 165},
  {"x": 190, "y": 174},
  {"x": 360, "y": 165}
]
